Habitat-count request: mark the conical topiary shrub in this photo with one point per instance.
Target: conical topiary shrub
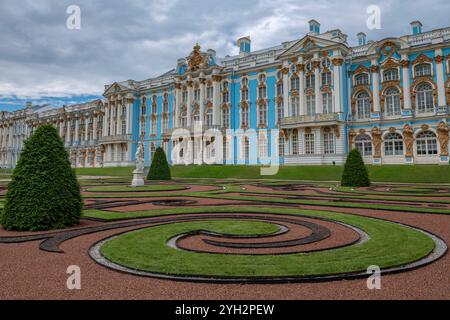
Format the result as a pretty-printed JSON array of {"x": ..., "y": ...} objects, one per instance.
[
  {"x": 44, "y": 192},
  {"x": 355, "y": 172},
  {"x": 159, "y": 170}
]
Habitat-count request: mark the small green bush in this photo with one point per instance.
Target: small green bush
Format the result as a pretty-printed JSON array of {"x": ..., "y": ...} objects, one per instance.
[
  {"x": 44, "y": 193},
  {"x": 159, "y": 170},
  {"x": 355, "y": 172}
]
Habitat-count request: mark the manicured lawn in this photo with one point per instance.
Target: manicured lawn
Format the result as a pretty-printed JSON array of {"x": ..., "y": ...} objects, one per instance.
[
  {"x": 112, "y": 171},
  {"x": 390, "y": 244}
]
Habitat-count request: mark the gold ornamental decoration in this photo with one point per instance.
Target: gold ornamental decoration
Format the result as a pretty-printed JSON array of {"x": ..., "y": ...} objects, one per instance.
[
  {"x": 196, "y": 59},
  {"x": 443, "y": 138},
  {"x": 408, "y": 139},
  {"x": 376, "y": 141}
]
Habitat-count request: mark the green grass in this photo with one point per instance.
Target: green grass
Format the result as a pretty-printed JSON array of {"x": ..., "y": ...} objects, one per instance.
[
  {"x": 112, "y": 171},
  {"x": 389, "y": 245},
  {"x": 121, "y": 188}
]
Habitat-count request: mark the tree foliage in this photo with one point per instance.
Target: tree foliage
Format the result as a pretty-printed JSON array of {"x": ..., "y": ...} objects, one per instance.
[
  {"x": 44, "y": 192},
  {"x": 159, "y": 170},
  {"x": 355, "y": 172}
]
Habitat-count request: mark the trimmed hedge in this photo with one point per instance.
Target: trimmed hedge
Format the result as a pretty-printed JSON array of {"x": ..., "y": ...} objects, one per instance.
[
  {"x": 44, "y": 192},
  {"x": 159, "y": 170},
  {"x": 355, "y": 172}
]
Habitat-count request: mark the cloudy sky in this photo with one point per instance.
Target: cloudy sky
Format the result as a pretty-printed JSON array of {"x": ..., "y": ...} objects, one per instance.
[{"x": 43, "y": 61}]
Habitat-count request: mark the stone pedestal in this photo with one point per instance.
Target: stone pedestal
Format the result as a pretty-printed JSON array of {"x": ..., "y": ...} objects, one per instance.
[{"x": 138, "y": 178}]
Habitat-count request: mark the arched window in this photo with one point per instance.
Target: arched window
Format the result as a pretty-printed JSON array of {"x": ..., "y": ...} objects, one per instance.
[
  {"x": 244, "y": 116},
  {"x": 225, "y": 117},
  {"x": 209, "y": 92},
  {"x": 184, "y": 96},
  {"x": 424, "y": 97},
  {"x": 166, "y": 104},
  {"x": 363, "y": 105},
  {"x": 362, "y": 79},
  {"x": 262, "y": 92},
  {"x": 245, "y": 82},
  {"x": 262, "y": 146},
  {"x": 295, "y": 83},
  {"x": 165, "y": 123},
  {"x": 393, "y": 144},
  {"x": 262, "y": 114},
  {"x": 155, "y": 104},
  {"x": 262, "y": 78},
  {"x": 426, "y": 143},
  {"x": 144, "y": 107},
  {"x": 392, "y": 102},
  {"x": 390, "y": 75},
  {"x": 423, "y": 69},
  {"x": 209, "y": 117},
  {"x": 363, "y": 143},
  {"x": 197, "y": 116}
]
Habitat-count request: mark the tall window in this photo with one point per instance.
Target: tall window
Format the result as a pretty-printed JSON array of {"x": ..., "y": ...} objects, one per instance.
[
  {"x": 197, "y": 94},
  {"x": 426, "y": 143},
  {"x": 328, "y": 143},
  {"x": 262, "y": 92},
  {"x": 245, "y": 148},
  {"x": 152, "y": 151},
  {"x": 309, "y": 143},
  {"x": 196, "y": 116},
  {"x": 155, "y": 105},
  {"x": 363, "y": 105},
  {"x": 184, "y": 96},
  {"x": 295, "y": 143},
  {"x": 225, "y": 118},
  {"x": 279, "y": 89},
  {"x": 310, "y": 105},
  {"x": 310, "y": 81},
  {"x": 326, "y": 78},
  {"x": 184, "y": 119},
  {"x": 244, "y": 94},
  {"x": 295, "y": 106},
  {"x": 279, "y": 111},
  {"x": 124, "y": 128},
  {"x": 225, "y": 97},
  {"x": 390, "y": 75},
  {"x": 364, "y": 144},
  {"x": 154, "y": 126},
  {"x": 262, "y": 146},
  {"x": 209, "y": 117},
  {"x": 280, "y": 145},
  {"x": 262, "y": 114},
  {"x": 393, "y": 145},
  {"x": 327, "y": 99},
  {"x": 165, "y": 104},
  {"x": 362, "y": 79},
  {"x": 392, "y": 102},
  {"x": 423, "y": 69},
  {"x": 209, "y": 92},
  {"x": 244, "y": 116},
  {"x": 144, "y": 107},
  {"x": 425, "y": 98},
  {"x": 295, "y": 83},
  {"x": 165, "y": 123}
]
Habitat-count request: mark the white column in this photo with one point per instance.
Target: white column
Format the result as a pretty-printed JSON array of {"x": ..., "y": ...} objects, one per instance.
[
  {"x": 406, "y": 84},
  {"x": 111, "y": 118},
  {"x": 130, "y": 116},
  {"x": 86, "y": 129},
  {"x": 189, "y": 101},
  {"x": 68, "y": 131},
  {"x": 285, "y": 71},
  {"x": 119, "y": 120},
  {"x": 301, "y": 93},
  {"x": 337, "y": 91},
  {"x": 376, "y": 86},
  {"x": 94, "y": 127},
  {"x": 77, "y": 128},
  {"x": 216, "y": 100},
  {"x": 317, "y": 92},
  {"x": 176, "y": 108},
  {"x": 105, "y": 121},
  {"x": 440, "y": 78},
  {"x": 202, "y": 100}
]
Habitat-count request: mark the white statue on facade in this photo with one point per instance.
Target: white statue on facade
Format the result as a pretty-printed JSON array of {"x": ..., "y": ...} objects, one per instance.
[{"x": 138, "y": 174}]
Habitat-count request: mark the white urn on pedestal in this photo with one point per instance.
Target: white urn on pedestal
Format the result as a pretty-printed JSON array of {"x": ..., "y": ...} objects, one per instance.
[{"x": 138, "y": 173}]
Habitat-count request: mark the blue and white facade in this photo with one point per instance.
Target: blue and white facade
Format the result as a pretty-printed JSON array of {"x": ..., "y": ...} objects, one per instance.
[{"x": 307, "y": 101}]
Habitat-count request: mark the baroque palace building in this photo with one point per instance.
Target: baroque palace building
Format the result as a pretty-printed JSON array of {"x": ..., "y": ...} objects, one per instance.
[{"x": 307, "y": 101}]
